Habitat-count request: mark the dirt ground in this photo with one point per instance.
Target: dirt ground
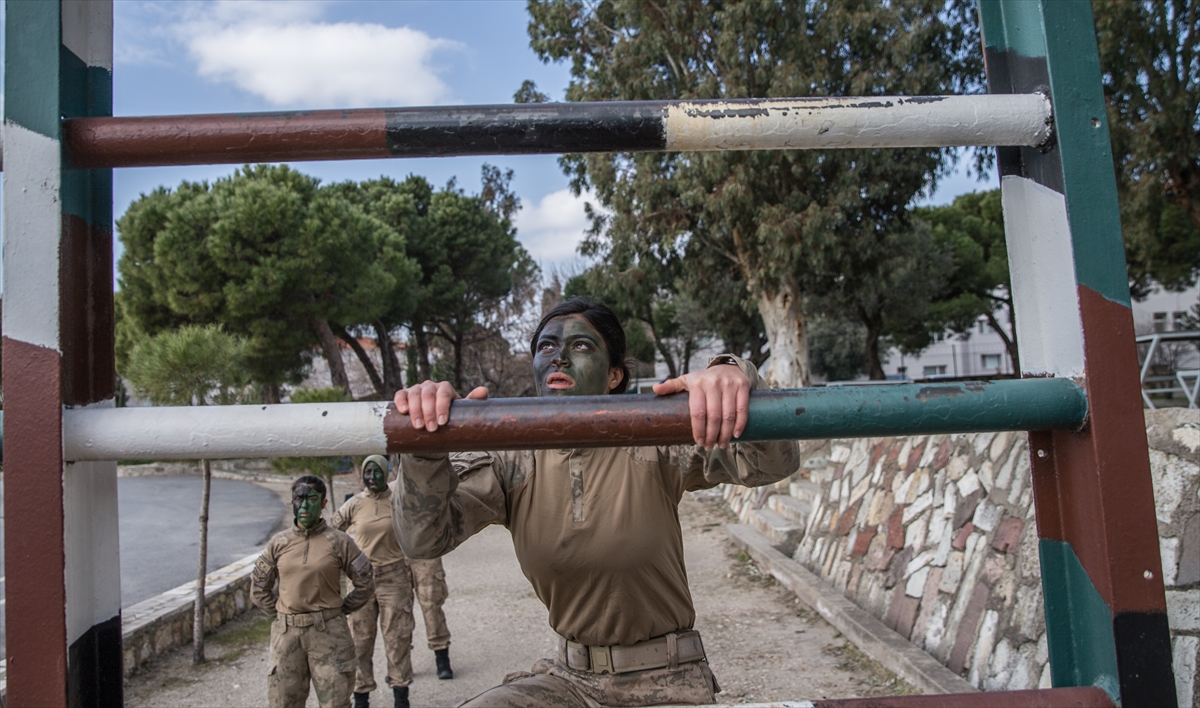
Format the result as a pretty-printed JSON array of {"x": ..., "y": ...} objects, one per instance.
[{"x": 762, "y": 643}]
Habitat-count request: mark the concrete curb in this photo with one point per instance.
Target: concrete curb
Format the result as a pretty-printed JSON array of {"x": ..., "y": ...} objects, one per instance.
[{"x": 893, "y": 651}]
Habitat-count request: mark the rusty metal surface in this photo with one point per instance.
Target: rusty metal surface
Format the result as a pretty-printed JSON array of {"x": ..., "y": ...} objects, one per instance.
[
  {"x": 226, "y": 138},
  {"x": 844, "y": 411}
]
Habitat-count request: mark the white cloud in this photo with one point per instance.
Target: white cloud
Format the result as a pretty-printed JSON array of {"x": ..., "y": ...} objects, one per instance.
[
  {"x": 282, "y": 53},
  {"x": 552, "y": 229}
]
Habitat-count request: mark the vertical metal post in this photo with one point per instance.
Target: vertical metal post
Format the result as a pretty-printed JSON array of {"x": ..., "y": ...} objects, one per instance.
[
  {"x": 63, "y": 605},
  {"x": 1101, "y": 572}
]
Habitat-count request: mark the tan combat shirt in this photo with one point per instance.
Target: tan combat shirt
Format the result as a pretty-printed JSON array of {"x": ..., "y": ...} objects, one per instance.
[
  {"x": 309, "y": 565},
  {"x": 367, "y": 517},
  {"x": 596, "y": 531}
]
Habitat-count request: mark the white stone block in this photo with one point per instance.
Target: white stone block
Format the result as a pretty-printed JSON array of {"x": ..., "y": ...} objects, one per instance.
[
  {"x": 1025, "y": 672},
  {"x": 1004, "y": 476},
  {"x": 840, "y": 453},
  {"x": 982, "y": 441},
  {"x": 915, "y": 585},
  {"x": 999, "y": 445},
  {"x": 914, "y": 535},
  {"x": 949, "y": 500},
  {"x": 986, "y": 476},
  {"x": 905, "y": 451},
  {"x": 1045, "y": 681},
  {"x": 1188, "y": 436},
  {"x": 1183, "y": 610},
  {"x": 1018, "y": 487},
  {"x": 1043, "y": 649},
  {"x": 957, "y": 466},
  {"x": 968, "y": 484},
  {"x": 918, "y": 563},
  {"x": 1184, "y": 663},
  {"x": 952, "y": 574},
  {"x": 936, "y": 627},
  {"x": 1171, "y": 477},
  {"x": 942, "y": 555},
  {"x": 919, "y": 505},
  {"x": 931, "y": 449},
  {"x": 983, "y": 647},
  {"x": 1168, "y": 548},
  {"x": 987, "y": 515}
]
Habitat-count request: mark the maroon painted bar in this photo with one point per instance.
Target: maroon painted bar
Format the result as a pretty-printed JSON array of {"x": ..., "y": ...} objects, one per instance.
[{"x": 1085, "y": 697}]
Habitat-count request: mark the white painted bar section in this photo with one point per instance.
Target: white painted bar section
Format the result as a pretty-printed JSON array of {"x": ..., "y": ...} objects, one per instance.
[
  {"x": 1042, "y": 264},
  {"x": 860, "y": 122},
  {"x": 221, "y": 432},
  {"x": 32, "y": 234}
]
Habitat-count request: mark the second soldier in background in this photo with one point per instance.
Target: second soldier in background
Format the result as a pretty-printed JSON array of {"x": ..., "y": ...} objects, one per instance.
[{"x": 367, "y": 517}]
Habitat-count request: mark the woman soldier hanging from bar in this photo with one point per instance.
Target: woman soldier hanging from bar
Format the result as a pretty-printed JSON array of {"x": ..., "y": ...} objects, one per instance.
[{"x": 595, "y": 530}]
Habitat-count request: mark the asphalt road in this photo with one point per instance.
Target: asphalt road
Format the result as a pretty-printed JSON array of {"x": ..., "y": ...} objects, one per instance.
[{"x": 160, "y": 529}]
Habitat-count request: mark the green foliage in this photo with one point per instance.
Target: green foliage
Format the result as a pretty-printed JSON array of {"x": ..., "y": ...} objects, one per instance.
[
  {"x": 320, "y": 466},
  {"x": 528, "y": 93},
  {"x": 189, "y": 366},
  {"x": 837, "y": 347},
  {"x": 268, "y": 253},
  {"x": 1150, "y": 57},
  {"x": 977, "y": 285},
  {"x": 814, "y": 222}
]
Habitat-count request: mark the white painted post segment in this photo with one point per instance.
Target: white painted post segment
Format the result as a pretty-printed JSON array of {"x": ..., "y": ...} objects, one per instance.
[
  {"x": 87, "y": 30},
  {"x": 1042, "y": 264},
  {"x": 860, "y": 122},
  {"x": 32, "y": 232},
  {"x": 222, "y": 432}
]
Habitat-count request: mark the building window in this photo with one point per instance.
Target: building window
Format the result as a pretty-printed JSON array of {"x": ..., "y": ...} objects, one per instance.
[
  {"x": 1177, "y": 319},
  {"x": 983, "y": 326},
  {"x": 939, "y": 370},
  {"x": 990, "y": 361},
  {"x": 1160, "y": 322}
]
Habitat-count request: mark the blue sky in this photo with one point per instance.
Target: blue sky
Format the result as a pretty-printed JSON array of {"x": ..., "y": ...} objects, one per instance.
[{"x": 221, "y": 56}]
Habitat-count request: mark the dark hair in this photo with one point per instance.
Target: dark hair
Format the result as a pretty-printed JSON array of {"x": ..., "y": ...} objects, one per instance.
[
  {"x": 314, "y": 482},
  {"x": 604, "y": 321}
]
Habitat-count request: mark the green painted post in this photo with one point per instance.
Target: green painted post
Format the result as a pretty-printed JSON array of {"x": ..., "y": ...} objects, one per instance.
[{"x": 1101, "y": 573}]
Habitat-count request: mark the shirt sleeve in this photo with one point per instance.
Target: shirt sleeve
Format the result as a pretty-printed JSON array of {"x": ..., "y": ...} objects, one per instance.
[
  {"x": 357, "y": 567},
  {"x": 748, "y": 464},
  {"x": 262, "y": 580},
  {"x": 343, "y": 517},
  {"x": 443, "y": 500}
]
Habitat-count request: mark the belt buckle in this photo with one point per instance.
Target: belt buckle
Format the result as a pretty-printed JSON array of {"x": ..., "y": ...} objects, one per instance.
[{"x": 600, "y": 657}]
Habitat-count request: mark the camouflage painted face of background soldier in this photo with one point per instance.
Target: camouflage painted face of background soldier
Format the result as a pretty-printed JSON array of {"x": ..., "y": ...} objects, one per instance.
[
  {"x": 307, "y": 503},
  {"x": 374, "y": 478}
]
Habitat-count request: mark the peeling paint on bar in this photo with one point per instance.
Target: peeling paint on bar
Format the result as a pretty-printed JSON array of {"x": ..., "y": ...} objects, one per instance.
[
  {"x": 893, "y": 122},
  {"x": 618, "y": 126},
  {"x": 325, "y": 429}
]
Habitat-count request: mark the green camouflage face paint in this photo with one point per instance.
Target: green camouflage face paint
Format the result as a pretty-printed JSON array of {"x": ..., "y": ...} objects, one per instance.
[
  {"x": 374, "y": 478},
  {"x": 571, "y": 359},
  {"x": 306, "y": 505}
]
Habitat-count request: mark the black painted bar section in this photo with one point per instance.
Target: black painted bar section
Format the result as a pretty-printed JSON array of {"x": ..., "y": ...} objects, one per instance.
[
  {"x": 533, "y": 128},
  {"x": 94, "y": 663}
]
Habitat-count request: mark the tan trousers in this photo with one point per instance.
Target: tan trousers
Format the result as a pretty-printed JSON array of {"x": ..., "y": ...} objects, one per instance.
[
  {"x": 322, "y": 653},
  {"x": 392, "y": 610},
  {"x": 430, "y": 579},
  {"x": 552, "y": 685}
]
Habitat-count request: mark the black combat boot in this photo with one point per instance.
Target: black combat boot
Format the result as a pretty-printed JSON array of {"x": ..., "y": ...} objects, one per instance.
[
  {"x": 362, "y": 700},
  {"x": 443, "y": 664},
  {"x": 400, "y": 694}
]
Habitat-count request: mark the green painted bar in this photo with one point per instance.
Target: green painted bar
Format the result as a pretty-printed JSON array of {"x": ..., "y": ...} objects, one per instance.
[
  {"x": 1079, "y": 622},
  {"x": 916, "y": 409}
]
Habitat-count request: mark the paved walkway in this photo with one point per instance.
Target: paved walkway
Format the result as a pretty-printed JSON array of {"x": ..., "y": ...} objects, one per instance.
[{"x": 762, "y": 644}]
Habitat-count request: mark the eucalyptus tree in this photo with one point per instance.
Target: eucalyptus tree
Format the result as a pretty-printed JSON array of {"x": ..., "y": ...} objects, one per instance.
[
  {"x": 788, "y": 224},
  {"x": 1150, "y": 59}
]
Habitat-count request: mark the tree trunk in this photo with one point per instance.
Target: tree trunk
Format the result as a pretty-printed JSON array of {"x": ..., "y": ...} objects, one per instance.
[
  {"x": 363, "y": 358},
  {"x": 874, "y": 324},
  {"x": 422, "y": 338},
  {"x": 198, "y": 613},
  {"x": 783, "y": 318},
  {"x": 271, "y": 393},
  {"x": 332, "y": 353},
  {"x": 1010, "y": 343},
  {"x": 392, "y": 379},
  {"x": 458, "y": 360}
]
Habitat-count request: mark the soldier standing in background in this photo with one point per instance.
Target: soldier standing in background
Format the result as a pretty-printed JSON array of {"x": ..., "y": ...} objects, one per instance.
[
  {"x": 429, "y": 578},
  {"x": 310, "y": 639},
  {"x": 368, "y": 517}
]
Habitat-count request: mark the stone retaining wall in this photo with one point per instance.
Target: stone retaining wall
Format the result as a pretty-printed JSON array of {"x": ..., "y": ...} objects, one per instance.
[
  {"x": 164, "y": 622},
  {"x": 935, "y": 535}
]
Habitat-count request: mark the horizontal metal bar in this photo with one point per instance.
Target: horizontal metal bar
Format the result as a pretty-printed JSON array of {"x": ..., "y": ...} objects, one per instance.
[
  {"x": 629, "y": 126},
  {"x": 329, "y": 429},
  {"x": 1073, "y": 697}
]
